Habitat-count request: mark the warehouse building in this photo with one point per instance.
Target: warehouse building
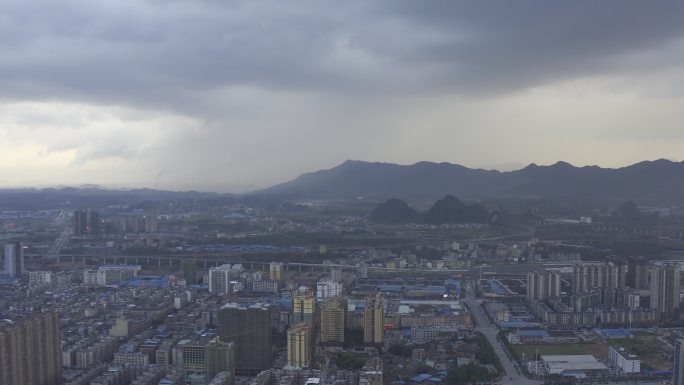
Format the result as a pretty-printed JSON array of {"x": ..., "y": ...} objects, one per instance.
[{"x": 582, "y": 365}]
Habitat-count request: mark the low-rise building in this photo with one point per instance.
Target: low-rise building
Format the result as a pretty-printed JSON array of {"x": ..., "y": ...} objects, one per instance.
[
  {"x": 132, "y": 358},
  {"x": 567, "y": 363},
  {"x": 623, "y": 359},
  {"x": 110, "y": 274}
]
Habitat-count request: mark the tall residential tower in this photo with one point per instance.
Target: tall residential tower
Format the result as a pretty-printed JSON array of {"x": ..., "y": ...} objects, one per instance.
[
  {"x": 299, "y": 345},
  {"x": 14, "y": 259},
  {"x": 543, "y": 285},
  {"x": 333, "y": 316},
  {"x": 374, "y": 320},
  {"x": 30, "y": 351},
  {"x": 665, "y": 288},
  {"x": 250, "y": 329},
  {"x": 678, "y": 368}
]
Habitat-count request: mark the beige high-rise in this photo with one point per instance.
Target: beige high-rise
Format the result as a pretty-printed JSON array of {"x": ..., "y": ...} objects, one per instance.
[
  {"x": 299, "y": 345},
  {"x": 374, "y": 320},
  {"x": 303, "y": 306},
  {"x": 333, "y": 316},
  {"x": 276, "y": 271}
]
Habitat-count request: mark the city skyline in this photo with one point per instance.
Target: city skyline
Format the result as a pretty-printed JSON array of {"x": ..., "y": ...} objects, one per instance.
[{"x": 393, "y": 192}]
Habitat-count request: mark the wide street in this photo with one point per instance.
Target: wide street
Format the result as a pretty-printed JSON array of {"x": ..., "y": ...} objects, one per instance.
[
  {"x": 511, "y": 375},
  {"x": 484, "y": 326}
]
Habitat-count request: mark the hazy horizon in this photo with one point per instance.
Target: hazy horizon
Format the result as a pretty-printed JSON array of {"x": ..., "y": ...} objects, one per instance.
[
  {"x": 248, "y": 189},
  {"x": 232, "y": 97}
]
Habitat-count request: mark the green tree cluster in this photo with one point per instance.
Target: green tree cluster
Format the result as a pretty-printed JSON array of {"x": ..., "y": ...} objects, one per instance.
[
  {"x": 350, "y": 361},
  {"x": 400, "y": 350},
  {"x": 467, "y": 374}
]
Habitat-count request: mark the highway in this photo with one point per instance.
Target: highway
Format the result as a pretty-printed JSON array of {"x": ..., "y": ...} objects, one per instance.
[{"x": 62, "y": 221}]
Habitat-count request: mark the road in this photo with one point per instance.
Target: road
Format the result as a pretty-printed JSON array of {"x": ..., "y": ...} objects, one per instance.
[
  {"x": 512, "y": 376},
  {"x": 484, "y": 326},
  {"x": 63, "y": 238}
]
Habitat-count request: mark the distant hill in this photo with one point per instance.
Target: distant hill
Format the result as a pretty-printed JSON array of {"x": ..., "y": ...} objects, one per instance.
[
  {"x": 89, "y": 196},
  {"x": 660, "y": 181},
  {"x": 451, "y": 210},
  {"x": 629, "y": 213},
  {"x": 394, "y": 211},
  {"x": 446, "y": 210}
]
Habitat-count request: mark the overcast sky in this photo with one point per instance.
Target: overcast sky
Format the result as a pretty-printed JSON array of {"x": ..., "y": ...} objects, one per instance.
[{"x": 233, "y": 95}]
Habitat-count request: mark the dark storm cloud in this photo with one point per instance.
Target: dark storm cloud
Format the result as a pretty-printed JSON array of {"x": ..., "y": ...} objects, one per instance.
[
  {"x": 526, "y": 43},
  {"x": 165, "y": 53}
]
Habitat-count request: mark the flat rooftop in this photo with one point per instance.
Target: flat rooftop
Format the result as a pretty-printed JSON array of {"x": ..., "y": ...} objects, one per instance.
[{"x": 558, "y": 363}]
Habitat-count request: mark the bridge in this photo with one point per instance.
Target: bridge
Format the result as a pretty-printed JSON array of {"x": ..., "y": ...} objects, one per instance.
[{"x": 214, "y": 260}]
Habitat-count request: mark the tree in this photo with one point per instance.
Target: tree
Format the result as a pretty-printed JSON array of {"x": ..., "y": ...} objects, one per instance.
[
  {"x": 467, "y": 373},
  {"x": 423, "y": 369},
  {"x": 350, "y": 361},
  {"x": 400, "y": 350}
]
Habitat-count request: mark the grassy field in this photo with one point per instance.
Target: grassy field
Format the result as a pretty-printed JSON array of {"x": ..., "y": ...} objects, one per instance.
[
  {"x": 648, "y": 348},
  {"x": 598, "y": 349}
]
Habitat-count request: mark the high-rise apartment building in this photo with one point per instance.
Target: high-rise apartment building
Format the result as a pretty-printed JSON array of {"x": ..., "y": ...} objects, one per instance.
[
  {"x": 374, "y": 320},
  {"x": 14, "y": 259},
  {"x": 87, "y": 222},
  {"x": 665, "y": 287},
  {"x": 151, "y": 223},
  {"x": 621, "y": 298},
  {"x": 299, "y": 345},
  {"x": 333, "y": 316},
  {"x": 543, "y": 285},
  {"x": 303, "y": 306},
  {"x": 678, "y": 368},
  {"x": 616, "y": 274},
  {"x": 533, "y": 278},
  {"x": 80, "y": 222},
  {"x": 219, "y": 279},
  {"x": 637, "y": 273},
  {"x": 250, "y": 329},
  {"x": 336, "y": 273},
  {"x": 276, "y": 271},
  {"x": 587, "y": 277},
  {"x": 190, "y": 272},
  {"x": 94, "y": 222},
  {"x": 30, "y": 352},
  {"x": 191, "y": 356},
  {"x": 327, "y": 288},
  {"x": 219, "y": 357}
]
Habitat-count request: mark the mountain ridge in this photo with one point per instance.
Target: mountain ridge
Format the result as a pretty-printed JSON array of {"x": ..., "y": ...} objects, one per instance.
[{"x": 658, "y": 180}]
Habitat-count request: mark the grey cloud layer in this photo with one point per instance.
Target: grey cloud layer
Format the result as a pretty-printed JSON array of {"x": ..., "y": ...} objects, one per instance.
[{"x": 161, "y": 52}]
